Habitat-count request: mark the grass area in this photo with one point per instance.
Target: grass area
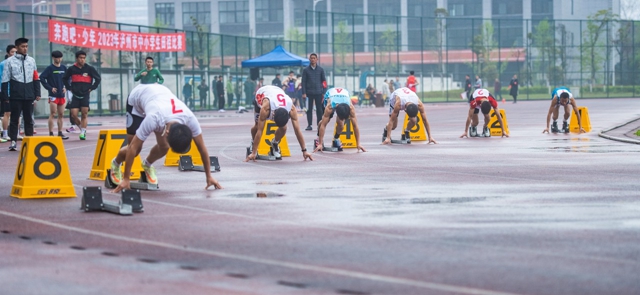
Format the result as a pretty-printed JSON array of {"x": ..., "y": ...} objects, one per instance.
[{"x": 638, "y": 132}]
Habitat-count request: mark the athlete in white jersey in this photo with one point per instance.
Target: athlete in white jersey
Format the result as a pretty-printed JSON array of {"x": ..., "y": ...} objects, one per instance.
[
  {"x": 338, "y": 100},
  {"x": 406, "y": 100},
  {"x": 271, "y": 103},
  {"x": 153, "y": 108}
]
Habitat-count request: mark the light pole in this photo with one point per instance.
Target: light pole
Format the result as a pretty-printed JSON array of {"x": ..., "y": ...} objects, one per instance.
[
  {"x": 33, "y": 24},
  {"x": 315, "y": 49}
]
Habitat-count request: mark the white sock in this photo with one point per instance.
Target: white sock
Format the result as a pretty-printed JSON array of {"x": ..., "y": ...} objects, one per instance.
[
  {"x": 84, "y": 130},
  {"x": 144, "y": 162},
  {"x": 116, "y": 162},
  {"x": 4, "y": 133}
]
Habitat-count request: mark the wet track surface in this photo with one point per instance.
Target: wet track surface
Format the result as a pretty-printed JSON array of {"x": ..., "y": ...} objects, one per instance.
[{"x": 530, "y": 214}]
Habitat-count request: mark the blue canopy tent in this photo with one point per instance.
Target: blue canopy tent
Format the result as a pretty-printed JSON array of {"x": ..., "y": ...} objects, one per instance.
[{"x": 278, "y": 57}]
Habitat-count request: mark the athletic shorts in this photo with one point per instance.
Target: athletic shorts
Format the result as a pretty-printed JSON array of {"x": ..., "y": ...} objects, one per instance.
[
  {"x": 133, "y": 121},
  {"x": 5, "y": 107},
  {"x": 57, "y": 100},
  {"x": 478, "y": 101},
  {"x": 77, "y": 103}
]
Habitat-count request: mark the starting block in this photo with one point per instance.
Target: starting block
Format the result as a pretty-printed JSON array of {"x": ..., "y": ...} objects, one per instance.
[
  {"x": 130, "y": 201},
  {"x": 494, "y": 124},
  {"x": 326, "y": 149},
  {"x": 584, "y": 120},
  {"x": 141, "y": 184},
  {"x": 269, "y": 157},
  {"x": 186, "y": 164},
  {"x": 396, "y": 141}
]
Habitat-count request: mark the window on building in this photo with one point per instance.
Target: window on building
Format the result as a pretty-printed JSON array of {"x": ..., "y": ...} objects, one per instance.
[
  {"x": 384, "y": 7},
  {"x": 44, "y": 9},
  {"x": 464, "y": 8},
  {"x": 44, "y": 27},
  {"x": 422, "y": 8},
  {"x": 233, "y": 12},
  {"x": 63, "y": 9},
  {"x": 542, "y": 7},
  {"x": 4, "y": 27},
  {"x": 507, "y": 7},
  {"x": 165, "y": 14},
  {"x": 269, "y": 11},
  {"x": 200, "y": 11},
  {"x": 86, "y": 9}
]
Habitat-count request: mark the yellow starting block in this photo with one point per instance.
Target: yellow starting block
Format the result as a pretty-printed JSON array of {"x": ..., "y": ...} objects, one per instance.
[
  {"x": 173, "y": 159},
  {"x": 109, "y": 144},
  {"x": 418, "y": 132},
  {"x": 584, "y": 119},
  {"x": 268, "y": 134},
  {"x": 347, "y": 136},
  {"x": 43, "y": 170},
  {"x": 494, "y": 124}
]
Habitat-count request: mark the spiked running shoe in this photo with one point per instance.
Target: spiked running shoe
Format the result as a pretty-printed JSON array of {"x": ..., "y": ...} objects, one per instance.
[
  {"x": 565, "y": 127},
  {"x": 116, "y": 174},
  {"x": 337, "y": 144},
  {"x": 407, "y": 136},
  {"x": 473, "y": 131},
  {"x": 486, "y": 132},
  {"x": 83, "y": 136},
  {"x": 150, "y": 171},
  {"x": 275, "y": 149},
  {"x": 554, "y": 127}
]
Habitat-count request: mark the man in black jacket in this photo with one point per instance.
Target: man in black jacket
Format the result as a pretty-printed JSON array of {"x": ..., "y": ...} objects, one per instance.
[
  {"x": 20, "y": 86},
  {"x": 513, "y": 88},
  {"x": 81, "y": 79},
  {"x": 314, "y": 83},
  {"x": 467, "y": 87},
  {"x": 220, "y": 88}
]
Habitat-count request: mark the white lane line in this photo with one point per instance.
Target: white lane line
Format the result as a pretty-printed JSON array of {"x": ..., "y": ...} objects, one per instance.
[
  {"x": 391, "y": 236},
  {"x": 266, "y": 261}
]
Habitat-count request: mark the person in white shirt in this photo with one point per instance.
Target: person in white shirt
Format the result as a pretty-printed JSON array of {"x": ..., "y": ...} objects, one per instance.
[
  {"x": 271, "y": 103},
  {"x": 153, "y": 108},
  {"x": 404, "y": 99}
]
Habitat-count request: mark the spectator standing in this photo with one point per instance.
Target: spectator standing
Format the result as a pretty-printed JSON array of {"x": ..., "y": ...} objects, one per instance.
[
  {"x": 412, "y": 82},
  {"x": 229, "y": 89},
  {"x": 249, "y": 87},
  {"x": 81, "y": 79},
  {"x": 314, "y": 83},
  {"x": 467, "y": 87},
  {"x": 277, "y": 82},
  {"x": 385, "y": 90},
  {"x": 478, "y": 83},
  {"x": 220, "y": 88},
  {"x": 187, "y": 91},
  {"x": 203, "y": 90},
  {"x": 214, "y": 87},
  {"x": 238, "y": 91},
  {"x": 497, "y": 90},
  {"x": 396, "y": 84},
  {"x": 5, "y": 107},
  {"x": 51, "y": 79},
  {"x": 149, "y": 75},
  {"x": 513, "y": 88},
  {"x": 20, "y": 86}
]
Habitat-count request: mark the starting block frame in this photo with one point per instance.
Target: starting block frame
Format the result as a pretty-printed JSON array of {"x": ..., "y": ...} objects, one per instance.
[
  {"x": 398, "y": 141},
  {"x": 269, "y": 157},
  {"x": 141, "y": 184},
  {"x": 92, "y": 200},
  {"x": 186, "y": 164},
  {"x": 327, "y": 149}
]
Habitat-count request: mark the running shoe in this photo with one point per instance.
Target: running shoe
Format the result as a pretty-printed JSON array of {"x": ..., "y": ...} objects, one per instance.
[
  {"x": 116, "y": 174},
  {"x": 150, "y": 171}
]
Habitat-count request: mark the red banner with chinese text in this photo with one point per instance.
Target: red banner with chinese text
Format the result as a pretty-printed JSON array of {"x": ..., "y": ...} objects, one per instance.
[{"x": 83, "y": 36}]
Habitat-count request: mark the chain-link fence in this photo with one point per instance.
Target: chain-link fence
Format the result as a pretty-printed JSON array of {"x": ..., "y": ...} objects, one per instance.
[{"x": 597, "y": 57}]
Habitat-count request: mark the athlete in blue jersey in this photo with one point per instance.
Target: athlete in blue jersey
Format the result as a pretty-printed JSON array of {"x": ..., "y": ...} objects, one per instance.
[
  {"x": 562, "y": 97},
  {"x": 337, "y": 100}
]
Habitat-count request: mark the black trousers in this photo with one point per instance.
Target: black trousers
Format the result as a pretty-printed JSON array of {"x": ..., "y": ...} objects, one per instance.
[
  {"x": 221, "y": 102},
  {"x": 318, "y": 99},
  {"x": 18, "y": 107}
]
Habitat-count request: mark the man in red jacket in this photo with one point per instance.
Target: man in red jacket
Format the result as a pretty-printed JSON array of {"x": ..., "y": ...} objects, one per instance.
[{"x": 81, "y": 79}]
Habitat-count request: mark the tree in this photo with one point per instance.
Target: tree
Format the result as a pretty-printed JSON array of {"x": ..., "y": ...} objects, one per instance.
[
  {"x": 298, "y": 39},
  {"x": 199, "y": 51},
  {"x": 543, "y": 39},
  {"x": 482, "y": 46},
  {"x": 591, "y": 43},
  {"x": 342, "y": 43},
  {"x": 388, "y": 41},
  {"x": 441, "y": 30}
]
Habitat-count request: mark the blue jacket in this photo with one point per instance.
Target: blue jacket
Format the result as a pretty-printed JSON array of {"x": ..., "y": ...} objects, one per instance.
[{"x": 52, "y": 78}]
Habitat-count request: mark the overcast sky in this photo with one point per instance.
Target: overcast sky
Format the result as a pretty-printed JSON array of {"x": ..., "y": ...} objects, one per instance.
[{"x": 630, "y": 9}]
